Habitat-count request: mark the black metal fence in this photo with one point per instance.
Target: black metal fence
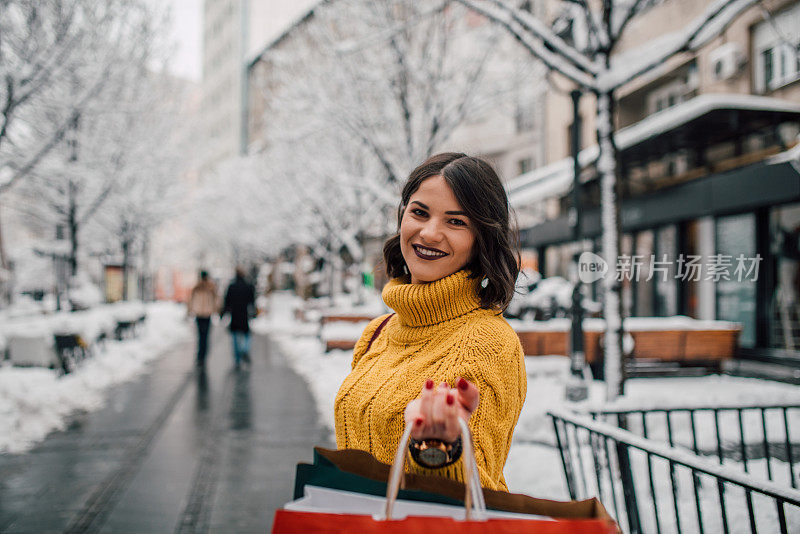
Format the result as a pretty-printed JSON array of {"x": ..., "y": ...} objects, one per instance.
[
  {"x": 760, "y": 438},
  {"x": 653, "y": 487}
]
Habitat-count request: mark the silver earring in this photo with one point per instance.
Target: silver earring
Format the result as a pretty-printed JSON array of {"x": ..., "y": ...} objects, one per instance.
[{"x": 484, "y": 283}]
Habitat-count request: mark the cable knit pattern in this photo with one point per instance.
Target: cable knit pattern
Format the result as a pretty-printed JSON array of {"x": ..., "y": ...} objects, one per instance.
[{"x": 439, "y": 332}]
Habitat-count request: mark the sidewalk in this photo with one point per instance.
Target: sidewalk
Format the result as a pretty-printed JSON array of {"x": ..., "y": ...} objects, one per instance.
[{"x": 175, "y": 451}]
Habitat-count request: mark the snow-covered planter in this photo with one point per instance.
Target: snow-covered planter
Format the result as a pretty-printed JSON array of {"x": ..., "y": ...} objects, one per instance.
[
  {"x": 682, "y": 338},
  {"x": 32, "y": 349},
  {"x": 128, "y": 311},
  {"x": 342, "y": 334},
  {"x": 676, "y": 338},
  {"x": 344, "y": 317},
  {"x": 342, "y": 323}
]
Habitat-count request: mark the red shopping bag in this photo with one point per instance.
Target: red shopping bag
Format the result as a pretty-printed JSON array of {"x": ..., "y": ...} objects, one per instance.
[
  {"x": 330, "y": 511},
  {"x": 288, "y": 522}
]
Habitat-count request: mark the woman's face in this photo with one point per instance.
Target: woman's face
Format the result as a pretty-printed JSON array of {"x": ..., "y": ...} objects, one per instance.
[{"x": 436, "y": 237}]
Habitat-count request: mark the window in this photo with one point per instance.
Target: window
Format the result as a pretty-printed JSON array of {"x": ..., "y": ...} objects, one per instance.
[
  {"x": 784, "y": 303},
  {"x": 735, "y": 292},
  {"x": 580, "y": 136},
  {"x": 766, "y": 59},
  {"x": 776, "y": 50},
  {"x": 673, "y": 92},
  {"x": 524, "y": 117},
  {"x": 524, "y": 165},
  {"x": 666, "y": 285}
]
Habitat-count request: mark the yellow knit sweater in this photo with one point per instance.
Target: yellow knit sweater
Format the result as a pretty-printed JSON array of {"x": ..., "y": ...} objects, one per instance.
[{"x": 439, "y": 332}]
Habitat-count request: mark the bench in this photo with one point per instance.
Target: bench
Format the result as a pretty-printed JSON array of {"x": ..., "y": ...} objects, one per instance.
[
  {"x": 129, "y": 328},
  {"x": 71, "y": 349},
  {"x": 336, "y": 331}
]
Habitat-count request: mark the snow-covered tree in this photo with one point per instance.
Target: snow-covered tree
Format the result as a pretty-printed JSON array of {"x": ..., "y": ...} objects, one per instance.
[
  {"x": 586, "y": 55},
  {"x": 239, "y": 217},
  {"x": 395, "y": 77},
  {"x": 55, "y": 58},
  {"x": 67, "y": 68},
  {"x": 147, "y": 187},
  {"x": 363, "y": 92}
]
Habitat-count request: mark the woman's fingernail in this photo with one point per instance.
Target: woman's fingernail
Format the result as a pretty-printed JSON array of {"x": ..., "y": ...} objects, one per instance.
[
  {"x": 462, "y": 384},
  {"x": 429, "y": 384},
  {"x": 418, "y": 421},
  {"x": 450, "y": 400}
]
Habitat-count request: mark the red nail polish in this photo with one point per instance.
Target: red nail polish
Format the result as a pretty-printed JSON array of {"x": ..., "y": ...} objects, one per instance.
[
  {"x": 429, "y": 384},
  {"x": 418, "y": 421},
  {"x": 450, "y": 399},
  {"x": 462, "y": 384}
]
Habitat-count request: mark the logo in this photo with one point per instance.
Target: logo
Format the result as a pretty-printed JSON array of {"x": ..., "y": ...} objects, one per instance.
[{"x": 591, "y": 267}]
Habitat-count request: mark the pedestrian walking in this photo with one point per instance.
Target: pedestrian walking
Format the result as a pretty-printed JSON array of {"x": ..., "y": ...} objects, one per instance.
[
  {"x": 240, "y": 299},
  {"x": 447, "y": 352},
  {"x": 203, "y": 303}
]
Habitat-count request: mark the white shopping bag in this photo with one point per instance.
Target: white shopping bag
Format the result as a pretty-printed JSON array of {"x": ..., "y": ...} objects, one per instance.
[{"x": 333, "y": 501}]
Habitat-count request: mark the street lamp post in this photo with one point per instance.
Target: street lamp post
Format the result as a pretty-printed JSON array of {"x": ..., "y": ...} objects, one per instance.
[{"x": 576, "y": 389}]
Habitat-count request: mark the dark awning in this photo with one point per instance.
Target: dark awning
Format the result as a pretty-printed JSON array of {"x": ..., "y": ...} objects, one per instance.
[{"x": 738, "y": 190}]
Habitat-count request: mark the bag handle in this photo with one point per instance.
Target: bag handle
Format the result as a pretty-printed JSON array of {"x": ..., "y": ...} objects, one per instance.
[{"x": 474, "y": 504}]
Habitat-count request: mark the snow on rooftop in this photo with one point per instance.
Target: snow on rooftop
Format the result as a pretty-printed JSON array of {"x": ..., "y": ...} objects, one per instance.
[
  {"x": 556, "y": 178},
  {"x": 791, "y": 156},
  {"x": 670, "y": 118}
]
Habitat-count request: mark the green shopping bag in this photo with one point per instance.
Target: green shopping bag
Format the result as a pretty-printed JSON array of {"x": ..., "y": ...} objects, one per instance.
[{"x": 369, "y": 478}]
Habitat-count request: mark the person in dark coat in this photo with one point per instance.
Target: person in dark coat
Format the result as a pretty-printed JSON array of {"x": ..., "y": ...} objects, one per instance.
[{"x": 240, "y": 299}]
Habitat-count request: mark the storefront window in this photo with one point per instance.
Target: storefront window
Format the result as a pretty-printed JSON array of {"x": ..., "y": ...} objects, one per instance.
[
  {"x": 736, "y": 299},
  {"x": 626, "y": 250},
  {"x": 785, "y": 299},
  {"x": 644, "y": 283},
  {"x": 666, "y": 286},
  {"x": 559, "y": 259}
]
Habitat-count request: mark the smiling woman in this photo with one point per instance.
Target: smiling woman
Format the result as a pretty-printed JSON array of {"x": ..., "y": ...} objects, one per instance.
[
  {"x": 453, "y": 265},
  {"x": 435, "y": 234}
]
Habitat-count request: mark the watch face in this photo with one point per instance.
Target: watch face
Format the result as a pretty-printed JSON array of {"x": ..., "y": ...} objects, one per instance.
[{"x": 433, "y": 457}]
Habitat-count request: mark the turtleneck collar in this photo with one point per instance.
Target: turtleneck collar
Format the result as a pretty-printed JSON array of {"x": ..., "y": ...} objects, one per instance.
[{"x": 434, "y": 302}]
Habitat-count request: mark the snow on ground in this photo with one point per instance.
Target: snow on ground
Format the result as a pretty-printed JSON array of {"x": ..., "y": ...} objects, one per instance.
[
  {"x": 534, "y": 465},
  {"x": 36, "y": 401}
]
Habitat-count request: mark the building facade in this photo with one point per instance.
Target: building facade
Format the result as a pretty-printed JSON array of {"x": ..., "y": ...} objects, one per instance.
[
  {"x": 223, "y": 56},
  {"x": 709, "y": 169},
  {"x": 233, "y": 32}
]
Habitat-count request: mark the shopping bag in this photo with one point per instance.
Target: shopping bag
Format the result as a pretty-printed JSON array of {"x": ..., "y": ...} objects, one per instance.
[
  {"x": 336, "y": 510},
  {"x": 289, "y": 522},
  {"x": 327, "y": 500},
  {"x": 358, "y": 471}
]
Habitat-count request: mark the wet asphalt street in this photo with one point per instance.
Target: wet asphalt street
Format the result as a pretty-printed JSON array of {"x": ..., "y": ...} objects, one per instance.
[{"x": 172, "y": 451}]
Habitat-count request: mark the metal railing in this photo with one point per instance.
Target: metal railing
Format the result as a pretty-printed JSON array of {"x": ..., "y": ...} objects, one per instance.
[
  {"x": 741, "y": 434},
  {"x": 653, "y": 487}
]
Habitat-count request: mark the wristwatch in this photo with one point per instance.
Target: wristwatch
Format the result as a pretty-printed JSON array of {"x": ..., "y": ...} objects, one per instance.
[{"x": 434, "y": 453}]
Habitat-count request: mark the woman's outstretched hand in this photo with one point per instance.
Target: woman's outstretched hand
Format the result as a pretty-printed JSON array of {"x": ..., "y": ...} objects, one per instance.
[{"x": 434, "y": 414}]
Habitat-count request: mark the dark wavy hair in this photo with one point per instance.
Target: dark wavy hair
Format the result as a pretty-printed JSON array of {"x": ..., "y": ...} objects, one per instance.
[{"x": 483, "y": 198}]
